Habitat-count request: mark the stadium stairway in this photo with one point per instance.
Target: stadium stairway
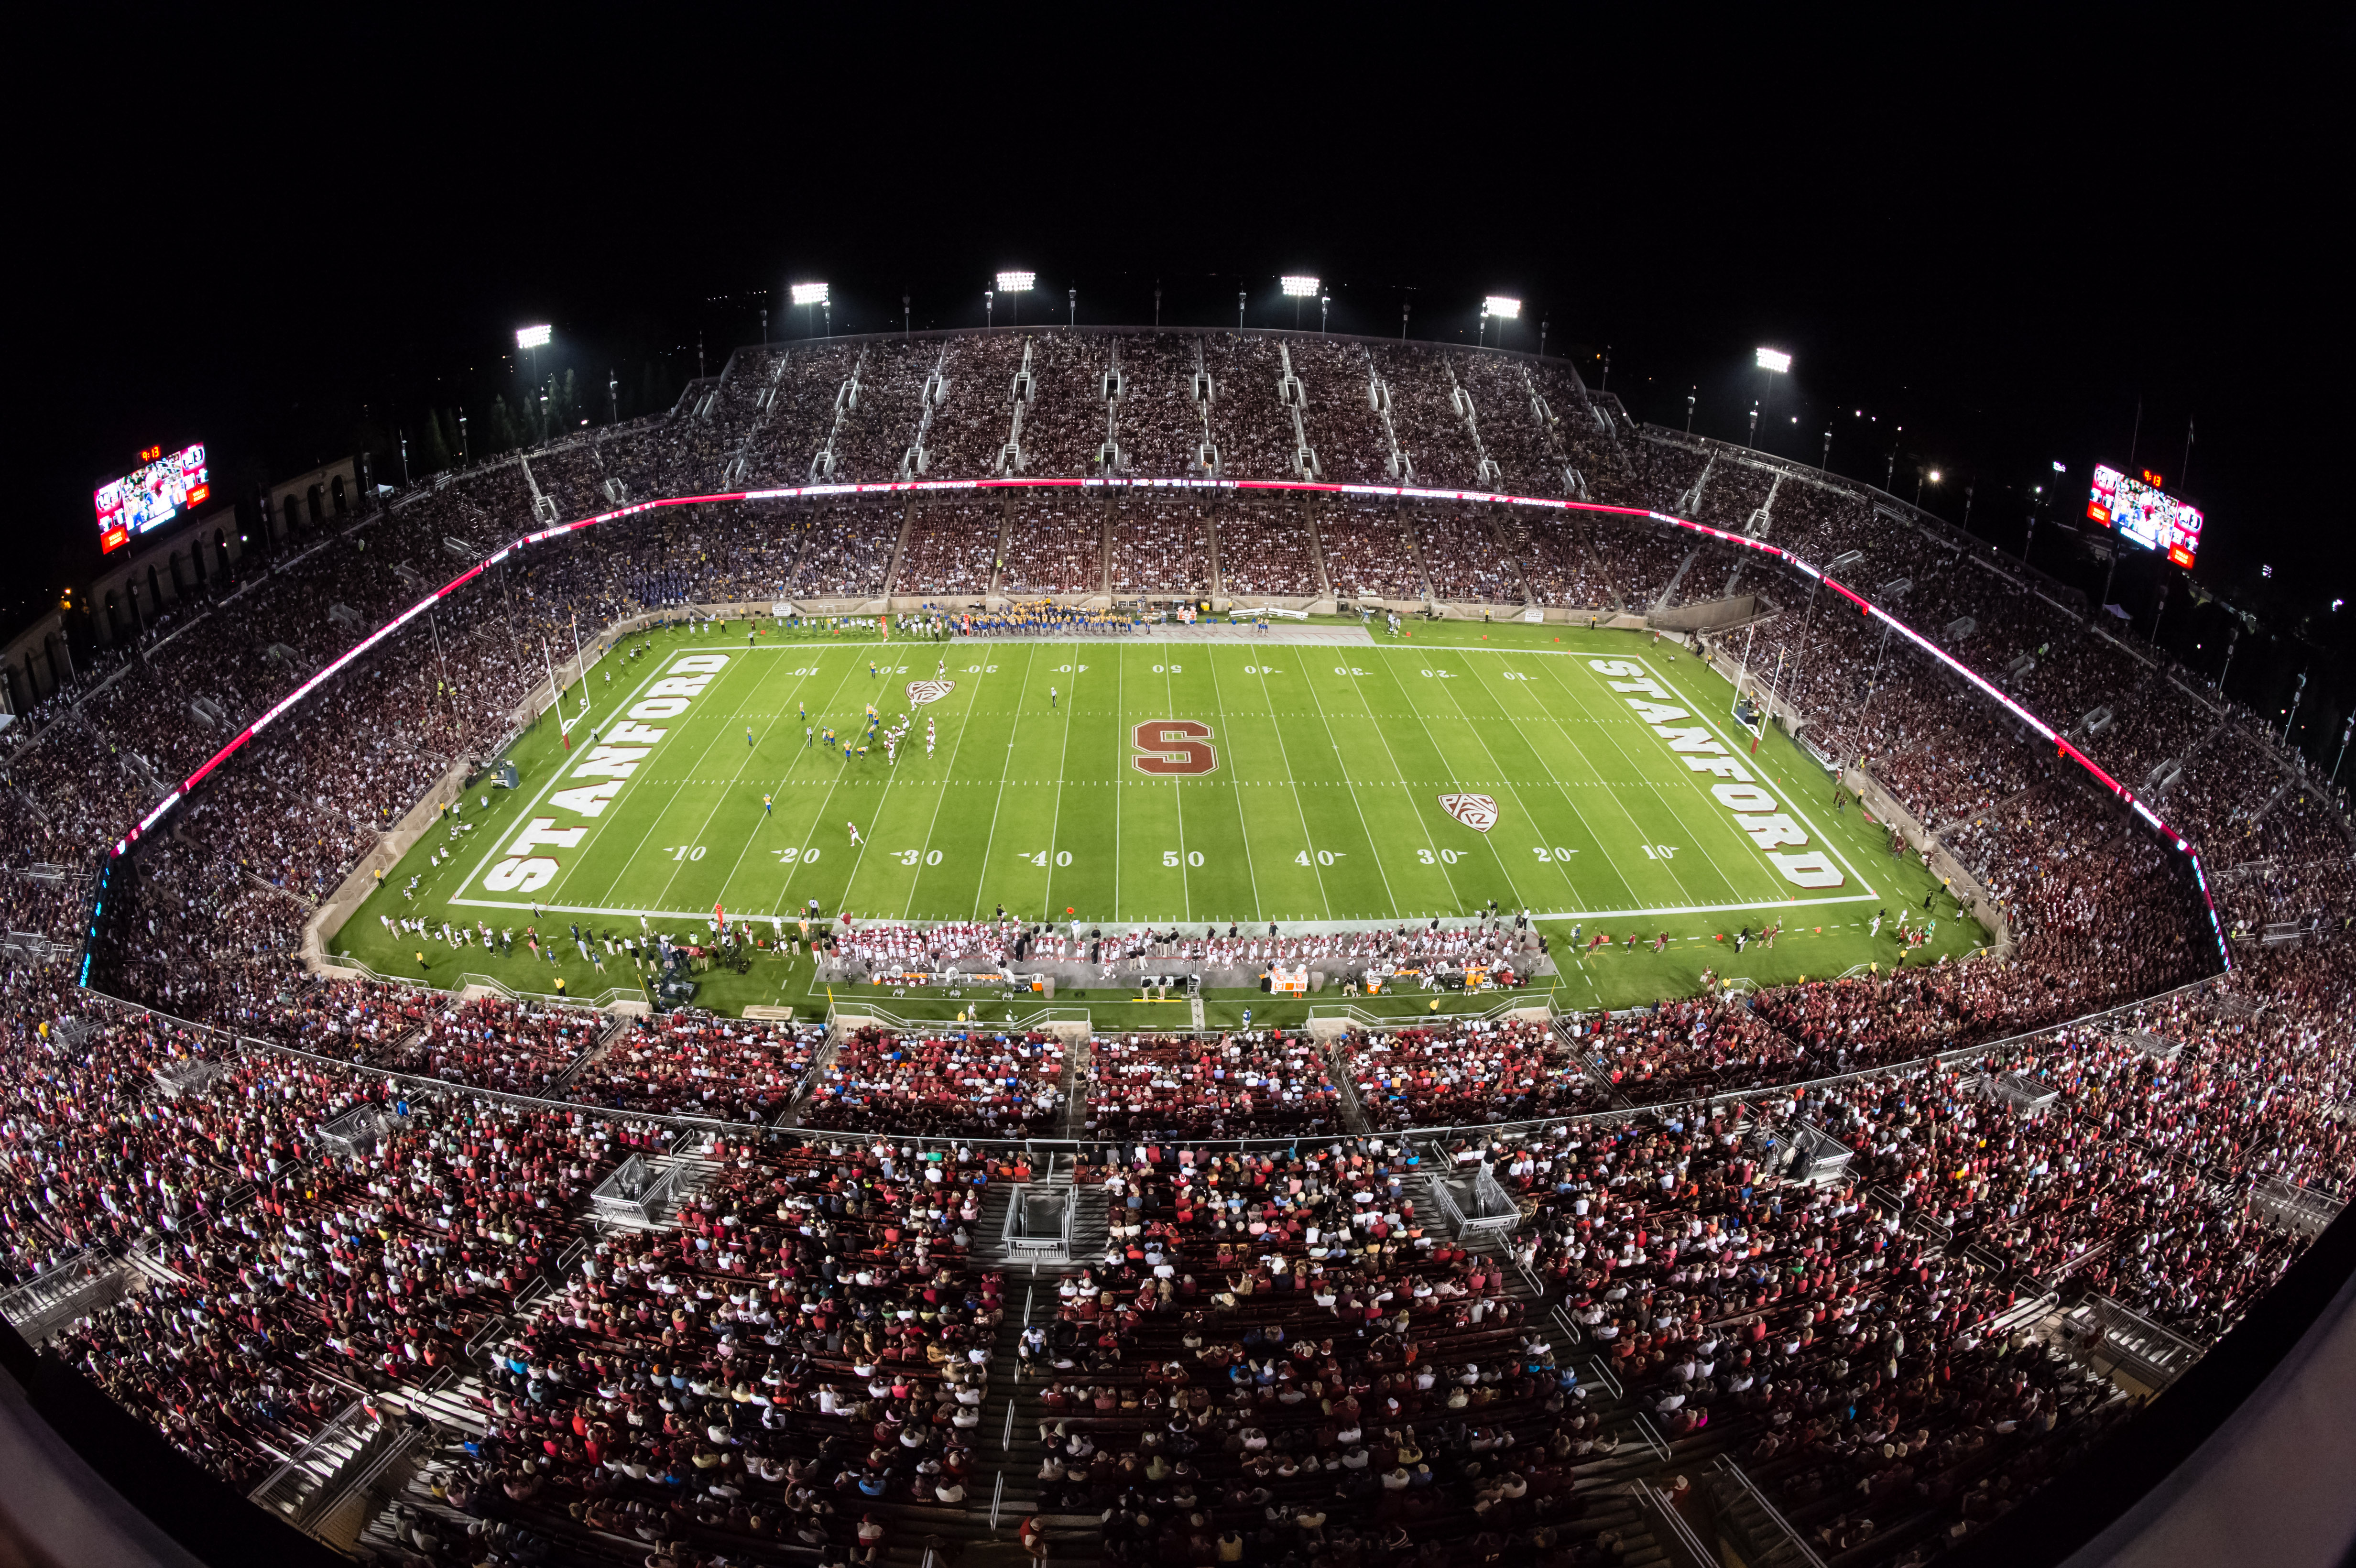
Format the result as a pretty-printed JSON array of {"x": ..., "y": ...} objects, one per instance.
[
  {"x": 338, "y": 1481},
  {"x": 989, "y": 1231},
  {"x": 1092, "y": 1215}
]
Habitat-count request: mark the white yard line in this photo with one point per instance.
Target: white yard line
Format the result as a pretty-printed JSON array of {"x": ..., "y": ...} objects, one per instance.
[
  {"x": 818, "y": 818},
  {"x": 1260, "y": 905},
  {"x": 998, "y": 806},
  {"x": 1365, "y": 827},
  {"x": 1503, "y": 781},
  {"x": 947, "y": 780}
]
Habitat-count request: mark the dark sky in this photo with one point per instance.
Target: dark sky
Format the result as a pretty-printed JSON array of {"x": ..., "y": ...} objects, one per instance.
[{"x": 2001, "y": 241}]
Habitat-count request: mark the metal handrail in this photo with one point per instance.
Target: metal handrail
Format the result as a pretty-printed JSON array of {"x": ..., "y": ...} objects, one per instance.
[
  {"x": 1401, "y": 1137},
  {"x": 1727, "y": 1467}
]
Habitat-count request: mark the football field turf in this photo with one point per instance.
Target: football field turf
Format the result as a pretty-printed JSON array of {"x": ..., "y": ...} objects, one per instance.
[{"x": 1135, "y": 782}]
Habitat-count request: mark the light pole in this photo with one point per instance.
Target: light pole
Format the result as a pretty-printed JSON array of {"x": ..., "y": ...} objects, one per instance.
[
  {"x": 809, "y": 296},
  {"x": 1605, "y": 385},
  {"x": 765, "y": 326},
  {"x": 1825, "y": 463},
  {"x": 404, "y": 459},
  {"x": 464, "y": 455},
  {"x": 1543, "y": 323},
  {"x": 1773, "y": 362},
  {"x": 1403, "y": 310},
  {"x": 2036, "y": 504},
  {"x": 906, "y": 321},
  {"x": 613, "y": 399},
  {"x": 1239, "y": 310},
  {"x": 1504, "y": 309},
  {"x": 2232, "y": 638},
  {"x": 2295, "y": 693},
  {"x": 1920, "y": 474},
  {"x": 1325, "y": 309},
  {"x": 1967, "y": 508},
  {"x": 2157, "y": 613},
  {"x": 1014, "y": 285},
  {"x": 1157, "y": 308},
  {"x": 1690, "y": 410},
  {"x": 1072, "y": 298},
  {"x": 1298, "y": 286},
  {"x": 2344, "y": 734},
  {"x": 1752, "y": 439},
  {"x": 988, "y": 302}
]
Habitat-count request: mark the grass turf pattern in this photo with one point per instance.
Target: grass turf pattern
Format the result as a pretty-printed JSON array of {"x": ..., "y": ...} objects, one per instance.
[{"x": 1321, "y": 802}]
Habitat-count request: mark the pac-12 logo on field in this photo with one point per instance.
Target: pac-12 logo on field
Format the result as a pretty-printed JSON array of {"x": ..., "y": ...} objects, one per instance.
[
  {"x": 923, "y": 691},
  {"x": 1174, "y": 747},
  {"x": 1478, "y": 812}
]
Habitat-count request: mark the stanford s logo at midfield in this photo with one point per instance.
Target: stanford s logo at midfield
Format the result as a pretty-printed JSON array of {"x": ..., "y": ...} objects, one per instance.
[
  {"x": 1478, "y": 812},
  {"x": 1173, "y": 747},
  {"x": 923, "y": 691}
]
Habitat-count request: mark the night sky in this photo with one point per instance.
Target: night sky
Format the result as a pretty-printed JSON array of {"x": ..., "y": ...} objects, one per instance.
[{"x": 2002, "y": 242}]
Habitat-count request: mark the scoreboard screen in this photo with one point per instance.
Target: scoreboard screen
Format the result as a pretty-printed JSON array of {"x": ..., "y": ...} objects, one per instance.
[
  {"x": 151, "y": 496},
  {"x": 2141, "y": 511}
]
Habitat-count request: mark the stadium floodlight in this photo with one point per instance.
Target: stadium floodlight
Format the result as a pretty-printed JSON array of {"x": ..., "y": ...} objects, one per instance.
[
  {"x": 1301, "y": 287},
  {"x": 810, "y": 294},
  {"x": 533, "y": 337},
  {"x": 1016, "y": 283},
  {"x": 1499, "y": 305},
  {"x": 1774, "y": 360}
]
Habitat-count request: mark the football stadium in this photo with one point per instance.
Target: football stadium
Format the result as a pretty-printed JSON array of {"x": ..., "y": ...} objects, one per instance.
[{"x": 1116, "y": 944}]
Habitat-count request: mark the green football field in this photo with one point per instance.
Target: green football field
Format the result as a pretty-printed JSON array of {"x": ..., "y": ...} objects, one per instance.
[{"x": 1127, "y": 781}]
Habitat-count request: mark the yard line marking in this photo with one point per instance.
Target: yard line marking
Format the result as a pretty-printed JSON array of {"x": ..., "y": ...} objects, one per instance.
[
  {"x": 1503, "y": 783},
  {"x": 1373, "y": 848},
  {"x": 1013, "y": 734},
  {"x": 506, "y": 836},
  {"x": 1178, "y": 798},
  {"x": 1602, "y": 851},
  {"x": 1260, "y": 907},
  {"x": 907, "y": 911},
  {"x": 654, "y": 821},
  {"x": 1644, "y": 774},
  {"x": 1766, "y": 778},
  {"x": 750, "y": 752},
  {"x": 777, "y": 904}
]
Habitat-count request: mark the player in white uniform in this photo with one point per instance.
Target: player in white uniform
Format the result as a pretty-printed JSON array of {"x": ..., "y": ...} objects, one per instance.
[
  {"x": 854, "y": 831},
  {"x": 929, "y": 737}
]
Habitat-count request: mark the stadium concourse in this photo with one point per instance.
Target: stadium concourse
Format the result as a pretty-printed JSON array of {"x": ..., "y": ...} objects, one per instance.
[{"x": 1862, "y": 1261}]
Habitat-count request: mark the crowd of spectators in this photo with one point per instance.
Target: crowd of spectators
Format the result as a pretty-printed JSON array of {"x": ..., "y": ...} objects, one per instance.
[
  {"x": 691, "y": 1064},
  {"x": 1183, "y": 1086},
  {"x": 1162, "y": 546},
  {"x": 1462, "y": 558},
  {"x": 969, "y": 1084},
  {"x": 1368, "y": 551},
  {"x": 1819, "y": 1332},
  {"x": 1267, "y": 547},
  {"x": 1465, "y": 1072},
  {"x": 1054, "y": 546},
  {"x": 952, "y": 549}
]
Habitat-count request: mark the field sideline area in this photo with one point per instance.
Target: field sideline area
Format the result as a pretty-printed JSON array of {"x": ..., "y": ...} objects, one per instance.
[{"x": 1127, "y": 780}]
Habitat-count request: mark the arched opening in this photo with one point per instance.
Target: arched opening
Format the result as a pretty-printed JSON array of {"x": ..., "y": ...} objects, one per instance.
[
  {"x": 113, "y": 620},
  {"x": 317, "y": 504},
  {"x": 220, "y": 543},
  {"x": 343, "y": 502},
  {"x": 154, "y": 592}
]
